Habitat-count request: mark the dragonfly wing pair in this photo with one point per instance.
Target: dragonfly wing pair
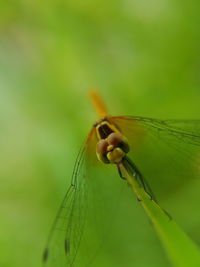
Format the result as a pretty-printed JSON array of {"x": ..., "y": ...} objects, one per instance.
[{"x": 163, "y": 151}]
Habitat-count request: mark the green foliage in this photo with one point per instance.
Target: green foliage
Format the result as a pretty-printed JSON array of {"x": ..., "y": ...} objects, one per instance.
[
  {"x": 142, "y": 55},
  {"x": 181, "y": 250}
]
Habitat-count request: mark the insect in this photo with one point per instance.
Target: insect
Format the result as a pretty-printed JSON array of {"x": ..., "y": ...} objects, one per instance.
[{"x": 138, "y": 144}]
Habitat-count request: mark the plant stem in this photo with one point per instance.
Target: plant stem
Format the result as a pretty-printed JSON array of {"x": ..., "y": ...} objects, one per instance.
[{"x": 181, "y": 250}]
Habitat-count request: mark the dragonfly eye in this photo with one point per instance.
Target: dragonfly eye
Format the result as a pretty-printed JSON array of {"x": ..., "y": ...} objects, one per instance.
[
  {"x": 101, "y": 147},
  {"x": 115, "y": 139},
  {"x": 118, "y": 140},
  {"x": 112, "y": 149},
  {"x": 101, "y": 150}
]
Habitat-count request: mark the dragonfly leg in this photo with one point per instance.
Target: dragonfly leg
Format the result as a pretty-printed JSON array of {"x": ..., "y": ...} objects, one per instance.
[
  {"x": 166, "y": 213},
  {"x": 120, "y": 173},
  {"x": 139, "y": 177},
  {"x": 121, "y": 176},
  {"x": 139, "y": 199}
]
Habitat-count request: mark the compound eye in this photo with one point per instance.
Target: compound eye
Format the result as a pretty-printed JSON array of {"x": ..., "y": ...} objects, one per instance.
[
  {"x": 114, "y": 139},
  {"x": 101, "y": 147}
]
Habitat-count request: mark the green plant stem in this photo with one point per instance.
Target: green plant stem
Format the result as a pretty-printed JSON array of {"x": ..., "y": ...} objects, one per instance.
[{"x": 181, "y": 250}]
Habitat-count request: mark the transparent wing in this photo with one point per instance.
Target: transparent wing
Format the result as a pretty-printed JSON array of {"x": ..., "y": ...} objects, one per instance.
[
  {"x": 85, "y": 218},
  {"x": 186, "y": 130},
  {"x": 95, "y": 224},
  {"x": 65, "y": 236},
  {"x": 165, "y": 151}
]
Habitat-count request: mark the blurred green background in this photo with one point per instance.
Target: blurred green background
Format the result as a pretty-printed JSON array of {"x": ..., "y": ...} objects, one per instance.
[{"x": 143, "y": 57}]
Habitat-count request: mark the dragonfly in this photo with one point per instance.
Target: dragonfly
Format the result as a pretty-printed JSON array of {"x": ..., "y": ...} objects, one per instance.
[{"x": 139, "y": 145}]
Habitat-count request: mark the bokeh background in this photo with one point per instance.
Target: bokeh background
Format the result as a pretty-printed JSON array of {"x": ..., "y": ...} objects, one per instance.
[{"x": 143, "y": 57}]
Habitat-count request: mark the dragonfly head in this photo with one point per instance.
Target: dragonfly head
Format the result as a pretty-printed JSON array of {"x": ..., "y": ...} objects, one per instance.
[{"x": 113, "y": 148}]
